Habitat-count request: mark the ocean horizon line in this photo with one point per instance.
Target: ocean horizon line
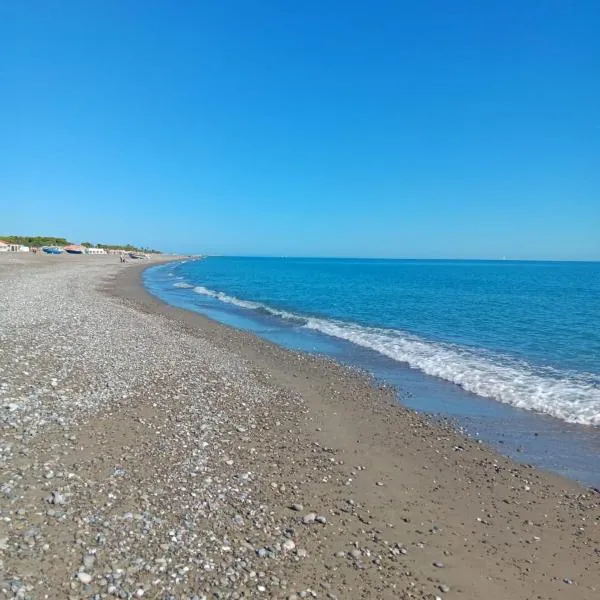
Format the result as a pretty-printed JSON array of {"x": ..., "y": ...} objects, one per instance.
[{"x": 391, "y": 258}]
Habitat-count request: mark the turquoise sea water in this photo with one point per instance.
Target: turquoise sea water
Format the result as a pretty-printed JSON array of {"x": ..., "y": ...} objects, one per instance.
[{"x": 524, "y": 335}]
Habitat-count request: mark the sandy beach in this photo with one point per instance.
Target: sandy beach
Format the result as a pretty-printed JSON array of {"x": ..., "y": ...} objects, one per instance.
[{"x": 149, "y": 452}]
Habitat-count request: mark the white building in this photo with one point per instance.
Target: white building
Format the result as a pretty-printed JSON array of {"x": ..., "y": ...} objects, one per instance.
[
  {"x": 10, "y": 247},
  {"x": 95, "y": 251}
]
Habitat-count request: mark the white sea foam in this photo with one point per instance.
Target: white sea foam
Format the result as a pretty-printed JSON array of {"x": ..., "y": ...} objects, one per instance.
[
  {"x": 225, "y": 298},
  {"x": 573, "y": 397},
  {"x": 182, "y": 284},
  {"x": 249, "y": 304}
]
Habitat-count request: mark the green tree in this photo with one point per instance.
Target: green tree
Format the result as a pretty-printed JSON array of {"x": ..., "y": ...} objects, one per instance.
[{"x": 35, "y": 240}]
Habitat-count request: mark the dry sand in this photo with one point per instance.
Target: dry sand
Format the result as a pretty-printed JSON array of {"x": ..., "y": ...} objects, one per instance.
[{"x": 148, "y": 452}]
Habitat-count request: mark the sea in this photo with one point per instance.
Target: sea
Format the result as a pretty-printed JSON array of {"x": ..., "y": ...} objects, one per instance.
[{"x": 509, "y": 350}]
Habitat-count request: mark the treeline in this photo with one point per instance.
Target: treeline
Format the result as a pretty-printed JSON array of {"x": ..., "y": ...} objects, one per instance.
[
  {"x": 37, "y": 240},
  {"x": 126, "y": 247}
]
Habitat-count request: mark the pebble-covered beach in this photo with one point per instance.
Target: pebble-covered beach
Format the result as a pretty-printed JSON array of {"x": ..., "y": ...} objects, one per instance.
[{"x": 146, "y": 452}]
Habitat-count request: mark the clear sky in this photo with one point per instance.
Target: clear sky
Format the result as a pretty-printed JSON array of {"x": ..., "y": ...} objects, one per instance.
[{"x": 278, "y": 127}]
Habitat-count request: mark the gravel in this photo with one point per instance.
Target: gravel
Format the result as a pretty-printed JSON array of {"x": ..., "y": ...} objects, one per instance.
[
  {"x": 74, "y": 363},
  {"x": 139, "y": 460}
]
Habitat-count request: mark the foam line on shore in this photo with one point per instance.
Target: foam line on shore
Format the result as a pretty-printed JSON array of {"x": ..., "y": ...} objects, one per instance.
[{"x": 572, "y": 397}]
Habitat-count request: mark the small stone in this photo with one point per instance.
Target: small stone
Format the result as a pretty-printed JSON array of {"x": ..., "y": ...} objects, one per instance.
[
  {"x": 320, "y": 519},
  {"x": 56, "y": 498},
  {"x": 444, "y": 588},
  {"x": 438, "y": 564},
  {"x": 89, "y": 561},
  {"x": 288, "y": 545},
  {"x": 309, "y": 518},
  {"x": 85, "y": 578},
  {"x": 297, "y": 507},
  {"x": 568, "y": 581},
  {"x": 262, "y": 552}
]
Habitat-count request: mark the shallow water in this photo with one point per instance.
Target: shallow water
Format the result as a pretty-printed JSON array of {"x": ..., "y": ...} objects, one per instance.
[{"x": 525, "y": 377}]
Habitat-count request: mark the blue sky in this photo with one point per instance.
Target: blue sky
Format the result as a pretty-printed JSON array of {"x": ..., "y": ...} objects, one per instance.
[{"x": 402, "y": 129}]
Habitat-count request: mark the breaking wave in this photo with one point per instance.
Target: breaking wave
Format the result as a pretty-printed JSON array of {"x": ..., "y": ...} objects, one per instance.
[{"x": 572, "y": 397}]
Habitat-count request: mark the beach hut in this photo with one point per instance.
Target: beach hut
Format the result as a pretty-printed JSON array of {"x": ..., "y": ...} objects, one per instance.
[
  {"x": 10, "y": 247},
  {"x": 95, "y": 251}
]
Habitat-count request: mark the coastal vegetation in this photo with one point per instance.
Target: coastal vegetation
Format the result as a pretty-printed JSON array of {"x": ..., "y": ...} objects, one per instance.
[{"x": 37, "y": 241}]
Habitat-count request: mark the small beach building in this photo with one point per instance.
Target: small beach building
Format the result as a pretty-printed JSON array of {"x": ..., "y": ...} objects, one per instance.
[
  {"x": 95, "y": 251},
  {"x": 10, "y": 247}
]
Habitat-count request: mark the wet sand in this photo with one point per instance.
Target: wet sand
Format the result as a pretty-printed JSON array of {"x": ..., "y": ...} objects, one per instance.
[{"x": 150, "y": 452}]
